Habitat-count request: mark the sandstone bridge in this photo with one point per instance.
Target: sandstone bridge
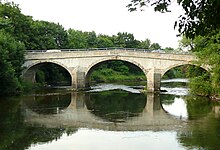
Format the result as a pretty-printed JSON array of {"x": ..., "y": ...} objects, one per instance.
[{"x": 81, "y": 62}]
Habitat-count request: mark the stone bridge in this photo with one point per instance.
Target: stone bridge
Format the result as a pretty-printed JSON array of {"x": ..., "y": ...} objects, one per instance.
[{"x": 81, "y": 63}]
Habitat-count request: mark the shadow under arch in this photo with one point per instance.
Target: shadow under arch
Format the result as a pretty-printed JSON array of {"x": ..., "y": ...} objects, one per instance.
[
  {"x": 29, "y": 72},
  {"x": 94, "y": 65}
]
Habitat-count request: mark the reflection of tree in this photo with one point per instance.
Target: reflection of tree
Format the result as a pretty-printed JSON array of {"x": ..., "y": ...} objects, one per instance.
[
  {"x": 204, "y": 132},
  {"x": 116, "y": 105},
  {"x": 174, "y": 84},
  {"x": 198, "y": 106},
  {"x": 16, "y": 135},
  {"x": 167, "y": 99},
  {"x": 48, "y": 104}
]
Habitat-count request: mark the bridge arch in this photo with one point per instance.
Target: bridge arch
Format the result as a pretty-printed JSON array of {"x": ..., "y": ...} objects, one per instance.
[
  {"x": 180, "y": 64},
  {"x": 94, "y": 64},
  {"x": 120, "y": 59},
  {"x": 29, "y": 73}
]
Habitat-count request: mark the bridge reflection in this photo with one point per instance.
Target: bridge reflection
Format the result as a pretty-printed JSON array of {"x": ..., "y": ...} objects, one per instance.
[{"x": 81, "y": 114}]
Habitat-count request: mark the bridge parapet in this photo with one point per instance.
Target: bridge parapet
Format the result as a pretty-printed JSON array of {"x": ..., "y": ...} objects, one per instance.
[{"x": 109, "y": 48}]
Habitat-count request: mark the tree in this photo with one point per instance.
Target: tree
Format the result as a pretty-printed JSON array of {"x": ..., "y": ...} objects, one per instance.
[
  {"x": 76, "y": 39},
  {"x": 15, "y": 23},
  {"x": 186, "y": 44},
  {"x": 47, "y": 35},
  {"x": 145, "y": 44},
  {"x": 104, "y": 41},
  {"x": 12, "y": 58},
  {"x": 168, "y": 49},
  {"x": 200, "y": 17},
  {"x": 91, "y": 39},
  {"x": 155, "y": 46},
  {"x": 126, "y": 40}
]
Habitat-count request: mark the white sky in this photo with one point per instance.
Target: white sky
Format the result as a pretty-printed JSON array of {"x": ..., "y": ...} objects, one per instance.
[{"x": 106, "y": 17}]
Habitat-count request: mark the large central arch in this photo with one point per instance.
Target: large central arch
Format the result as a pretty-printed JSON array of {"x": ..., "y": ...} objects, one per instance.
[{"x": 94, "y": 64}]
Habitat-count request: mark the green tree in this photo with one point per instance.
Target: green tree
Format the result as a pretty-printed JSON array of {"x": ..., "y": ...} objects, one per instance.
[
  {"x": 126, "y": 40},
  {"x": 155, "y": 46},
  {"x": 104, "y": 41},
  {"x": 186, "y": 44},
  {"x": 48, "y": 35},
  {"x": 51, "y": 74},
  {"x": 145, "y": 44},
  {"x": 12, "y": 57},
  {"x": 15, "y": 23},
  {"x": 76, "y": 39},
  {"x": 91, "y": 39},
  {"x": 168, "y": 49}
]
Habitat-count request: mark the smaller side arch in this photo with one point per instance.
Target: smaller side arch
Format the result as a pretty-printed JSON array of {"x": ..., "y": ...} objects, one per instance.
[
  {"x": 181, "y": 64},
  {"x": 30, "y": 70}
]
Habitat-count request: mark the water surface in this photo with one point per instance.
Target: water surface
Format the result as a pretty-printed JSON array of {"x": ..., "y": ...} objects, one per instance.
[{"x": 110, "y": 117}]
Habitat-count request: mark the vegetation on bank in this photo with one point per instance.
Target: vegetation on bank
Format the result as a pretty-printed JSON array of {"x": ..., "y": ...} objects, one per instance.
[
  {"x": 117, "y": 71},
  {"x": 206, "y": 48}
]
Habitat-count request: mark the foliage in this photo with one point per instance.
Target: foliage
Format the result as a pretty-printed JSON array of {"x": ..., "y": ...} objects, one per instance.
[
  {"x": 51, "y": 74},
  {"x": 155, "y": 46},
  {"x": 47, "y": 35},
  {"x": 15, "y": 23},
  {"x": 12, "y": 57},
  {"x": 168, "y": 49},
  {"x": 76, "y": 39},
  {"x": 186, "y": 44},
  {"x": 116, "y": 71},
  {"x": 126, "y": 40},
  {"x": 200, "y": 85},
  {"x": 104, "y": 41},
  {"x": 206, "y": 48},
  {"x": 145, "y": 44}
]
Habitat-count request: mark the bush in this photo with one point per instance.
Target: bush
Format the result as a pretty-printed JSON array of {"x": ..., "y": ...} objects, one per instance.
[{"x": 200, "y": 86}]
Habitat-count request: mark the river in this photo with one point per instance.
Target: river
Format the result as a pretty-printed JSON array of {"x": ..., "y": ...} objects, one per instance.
[{"x": 110, "y": 117}]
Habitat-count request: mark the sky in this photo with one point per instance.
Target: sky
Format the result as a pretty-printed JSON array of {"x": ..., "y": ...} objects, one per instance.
[{"x": 106, "y": 17}]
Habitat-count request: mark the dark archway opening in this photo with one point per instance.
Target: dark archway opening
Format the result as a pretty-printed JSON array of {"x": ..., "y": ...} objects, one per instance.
[
  {"x": 115, "y": 71},
  {"x": 49, "y": 75}
]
